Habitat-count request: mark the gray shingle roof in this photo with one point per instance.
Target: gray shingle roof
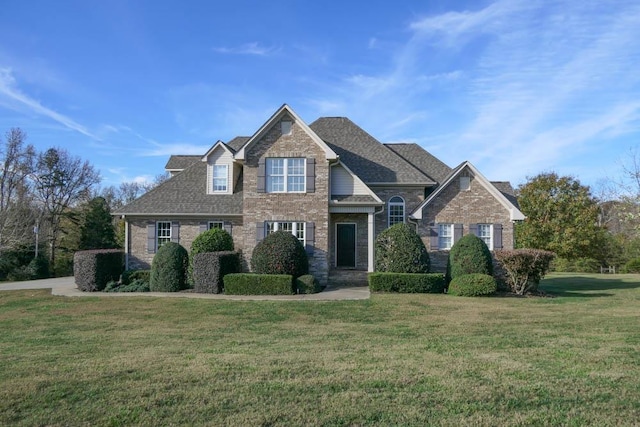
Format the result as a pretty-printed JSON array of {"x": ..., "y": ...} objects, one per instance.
[
  {"x": 236, "y": 143},
  {"x": 505, "y": 188},
  {"x": 422, "y": 159},
  {"x": 365, "y": 155},
  {"x": 181, "y": 162},
  {"x": 186, "y": 193}
]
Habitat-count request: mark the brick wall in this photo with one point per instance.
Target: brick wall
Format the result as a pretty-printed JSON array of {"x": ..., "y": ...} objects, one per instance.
[
  {"x": 307, "y": 207},
  {"x": 412, "y": 196},
  {"x": 189, "y": 229}
]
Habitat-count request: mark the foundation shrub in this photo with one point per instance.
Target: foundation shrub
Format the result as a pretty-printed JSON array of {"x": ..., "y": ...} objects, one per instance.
[
  {"x": 469, "y": 255},
  {"x": 280, "y": 253},
  {"x": 433, "y": 283},
  {"x": 399, "y": 249},
  {"x": 209, "y": 269},
  {"x": 129, "y": 276},
  {"x": 473, "y": 285},
  {"x": 214, "y": 240},
  {"x": 259, "y": 284},
  {"x": 93, "y": 269},
  {"x": 307, "y": 284},
  {"x": 169, "y": 269}
]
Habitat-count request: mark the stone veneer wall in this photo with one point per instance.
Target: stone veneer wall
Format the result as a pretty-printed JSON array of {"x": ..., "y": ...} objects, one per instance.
[
  {"x": 189, "y": 229},
  {"x": 307, "y": 207},
  {"x": 361, "y": 221}
]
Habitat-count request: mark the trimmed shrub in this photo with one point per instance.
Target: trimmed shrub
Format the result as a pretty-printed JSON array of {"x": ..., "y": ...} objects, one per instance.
[
  {"x": 632, "y": 266},
  {"x": 473, "y": 285},
  {"x": 129, "y": 276},
  {"x": 169, "y": 269},
  {"x": 259, "y": 284},
  {"x": 308, "y": 284},
  {"x": 209, "y": 268},
  {"x": 399, "y": 249},
  {"x": 280, "y": 253},
  {"x": 214, "y": 240},
  {"x": 525, "y": 268},
  {"x": 136, "y": 285},
  {"x": 95, "y": 268},
  {"x": 469, "y": 255},
  {"x": 431, "y": 283}
]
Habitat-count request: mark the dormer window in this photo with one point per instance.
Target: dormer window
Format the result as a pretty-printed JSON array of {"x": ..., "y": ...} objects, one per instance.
[
  {"x": 285, "y": 127},
  {"x": 220, "y": 178}
]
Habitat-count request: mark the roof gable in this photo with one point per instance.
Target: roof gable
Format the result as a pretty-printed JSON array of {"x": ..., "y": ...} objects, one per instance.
[
  {"x": 514, "y": 212},
  {"x": 217, "y": 146},
  {"x": 275, "y": 118},
  {"x": 367, "y": 157}
]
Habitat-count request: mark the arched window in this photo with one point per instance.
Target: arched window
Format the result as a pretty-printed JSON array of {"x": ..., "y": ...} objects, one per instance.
[{"x": 396, "y": 210}]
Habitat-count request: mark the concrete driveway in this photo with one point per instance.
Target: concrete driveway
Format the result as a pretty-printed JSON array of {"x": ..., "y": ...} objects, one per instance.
[{"x": 65, "y": 286}]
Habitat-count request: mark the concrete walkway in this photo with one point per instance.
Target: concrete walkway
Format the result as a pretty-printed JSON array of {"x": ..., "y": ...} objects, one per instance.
[{"x": 65, "y": 286}]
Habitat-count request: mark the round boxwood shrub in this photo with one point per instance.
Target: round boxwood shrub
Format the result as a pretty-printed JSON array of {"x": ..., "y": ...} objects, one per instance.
[
  {"x": 469, "y": 255},
  {"x": 214, "y": 240},
  {"x": 473, "y": 285},
  {"x": 399, "y": 249},
  {"x": 280, "y": 253},
  {"x": 169, "y": 269}
]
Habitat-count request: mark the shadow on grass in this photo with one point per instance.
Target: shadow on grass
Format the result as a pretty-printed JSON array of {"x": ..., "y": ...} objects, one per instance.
[{"x": 588, "y": 285}]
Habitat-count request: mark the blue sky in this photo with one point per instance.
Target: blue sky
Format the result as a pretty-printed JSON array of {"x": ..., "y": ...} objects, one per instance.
[{"x": 516, "y": 87}]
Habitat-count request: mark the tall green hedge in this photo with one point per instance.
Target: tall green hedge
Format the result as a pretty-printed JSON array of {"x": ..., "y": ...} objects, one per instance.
[
  {"x": 259, "y": 284},
  {"x": 93, "y": 269},
  {"x": 209, "y": 269},
  {"x": 169, "y": 269},
  {"x": 469, "y": 255},
  {"x": 399, "y": 249},
  {"x": 214, "y": 240},
  {"x": 432, "y": 283}
]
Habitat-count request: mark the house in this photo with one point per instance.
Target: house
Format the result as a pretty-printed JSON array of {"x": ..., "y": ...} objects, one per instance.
[{"x": 329, "y": 183}]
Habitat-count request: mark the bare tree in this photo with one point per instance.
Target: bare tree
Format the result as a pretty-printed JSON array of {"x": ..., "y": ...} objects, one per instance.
[
  {"x": 17, "y": 213},
  {"x": 61, "y": 181}
]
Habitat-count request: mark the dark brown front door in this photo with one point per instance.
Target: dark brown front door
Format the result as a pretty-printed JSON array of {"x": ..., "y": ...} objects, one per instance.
[{"x": 345, "y": 245}]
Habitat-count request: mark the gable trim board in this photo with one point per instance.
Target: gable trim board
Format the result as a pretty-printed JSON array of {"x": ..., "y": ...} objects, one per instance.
[
  {"x": 358, "y": 183},
  {"x": 514, "y": 213},
  {"x": 278, "y": 115}
]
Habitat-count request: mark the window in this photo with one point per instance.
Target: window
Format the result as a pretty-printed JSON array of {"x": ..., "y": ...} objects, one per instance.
[
  {"x": 396, "y": 210},
  {"x": 163, "y": 233},
  {"x": 295, "y": 228},
  {"x": 285, "y": 127},
  {"x": 485, "y": 232},
  {"x": 215, "y": 224},
  {"x": 445, "y": 236},
  {"x": 286, "y": 175},
  {"x": 465, "y": 183},
  {"x": 220, "y": 178}
]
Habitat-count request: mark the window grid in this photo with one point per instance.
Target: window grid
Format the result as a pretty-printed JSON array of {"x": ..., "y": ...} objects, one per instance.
[
  {"x": 220, "y": 178},
  {"x": 484, "y": 232},
  {"x": 396, "y": 210},
  {"x": 295, "y": 228},
  {"x": 163, "y": 233},
  {"x": 215, "y": 224},
  {"x": 286, "y": 175},
  {"x": 445, "y": 236}
]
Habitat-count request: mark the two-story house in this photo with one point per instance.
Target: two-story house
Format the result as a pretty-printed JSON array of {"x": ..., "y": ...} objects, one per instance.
[{"x": 330, "y": 183}]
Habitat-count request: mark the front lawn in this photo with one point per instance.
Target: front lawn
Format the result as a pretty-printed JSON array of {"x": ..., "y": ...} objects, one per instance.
[{"x": 392, "y": 360}]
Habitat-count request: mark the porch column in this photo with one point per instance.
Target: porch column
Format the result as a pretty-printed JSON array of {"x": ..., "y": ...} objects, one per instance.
[
  {"x": 126, "y": 243},
  {"x": 370, "y": 230}
]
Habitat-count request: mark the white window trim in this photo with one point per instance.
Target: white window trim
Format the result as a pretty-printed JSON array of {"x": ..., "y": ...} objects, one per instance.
[
  {"x": 212, "y": 224},
  {"x": 490, "y": 244},
  {"x": 213, "y": 178},
  {"x": 294, "y": 229},
  {"x": 285, "y": 175},
  {"x": 440, "y": 236},
  {"x": 158, "y": 237},
  {"x": 390, "y": 204}
]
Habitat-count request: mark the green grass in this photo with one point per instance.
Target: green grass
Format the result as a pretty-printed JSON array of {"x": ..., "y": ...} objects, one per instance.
[{"x": 392, "y": 360}]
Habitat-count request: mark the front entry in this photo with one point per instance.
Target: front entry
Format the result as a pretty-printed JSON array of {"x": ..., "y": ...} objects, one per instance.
[{"x": 345, "y": 245}]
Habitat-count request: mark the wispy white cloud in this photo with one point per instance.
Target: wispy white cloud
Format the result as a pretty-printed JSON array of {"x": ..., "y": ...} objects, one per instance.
[
  {"x": 173, "y": 148},
  {"x": 16, "y": 100},
  {"x": 253, "y": 48}
]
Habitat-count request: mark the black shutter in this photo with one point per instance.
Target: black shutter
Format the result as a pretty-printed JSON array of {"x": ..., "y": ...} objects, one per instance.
[
  {"x": 226, "y": 225},
  {"x": 151, "y": 238},
  {"x": 457, "y": 232},
  {"x": 261, "y": 177},
  {"x": 310, "y": 237},
  {"x": 433, "y": 237},
  {"x": 473, "y": 229},
  {"x": 204, "y": 226},
  {"x": 311, "y": 175},
  {"x": 497, "y": 236},
  {"x": 175, "y": 231},
  {"x": 260, "y": 230}
]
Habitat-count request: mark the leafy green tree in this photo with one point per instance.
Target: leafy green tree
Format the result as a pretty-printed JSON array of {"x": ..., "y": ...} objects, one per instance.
[{"x": 562, "y": 217}]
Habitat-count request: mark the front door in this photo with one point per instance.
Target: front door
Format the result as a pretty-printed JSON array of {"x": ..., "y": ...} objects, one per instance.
[{"x": 345, "y": 245}]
